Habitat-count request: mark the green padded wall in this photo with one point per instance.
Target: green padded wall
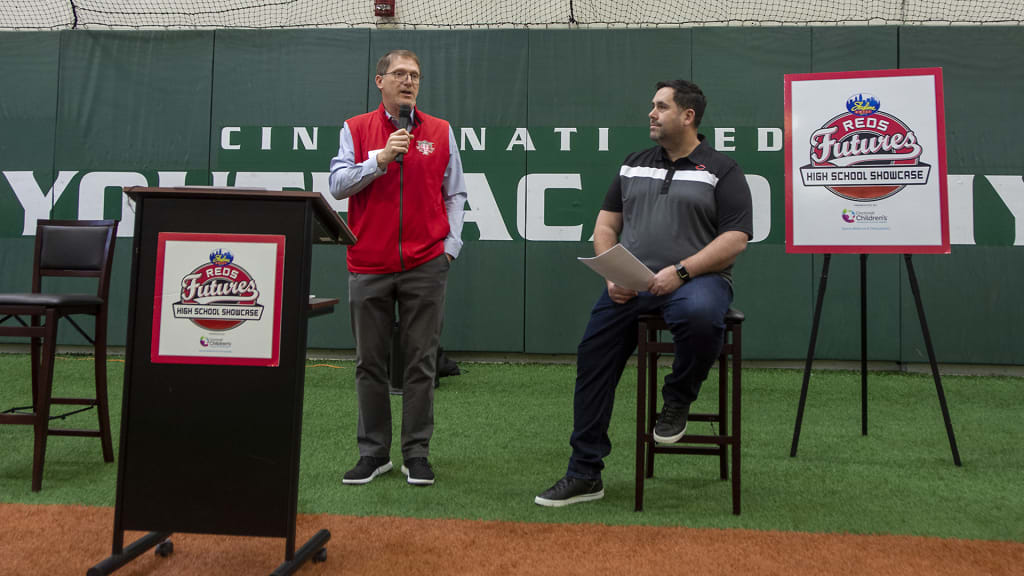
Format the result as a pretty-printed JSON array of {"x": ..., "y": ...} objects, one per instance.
[{"x": 95, "y": 110}]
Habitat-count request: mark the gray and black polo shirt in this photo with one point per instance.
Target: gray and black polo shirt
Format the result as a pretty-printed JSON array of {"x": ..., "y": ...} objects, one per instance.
[{"x": 671, "y": 210}]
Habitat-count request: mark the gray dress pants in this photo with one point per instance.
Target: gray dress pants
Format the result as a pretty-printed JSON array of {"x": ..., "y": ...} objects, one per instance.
[{"x": 419, "y": 293}]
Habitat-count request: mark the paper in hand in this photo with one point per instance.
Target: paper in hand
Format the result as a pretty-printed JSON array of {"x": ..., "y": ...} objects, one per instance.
[{"x": 620, "y": 266}]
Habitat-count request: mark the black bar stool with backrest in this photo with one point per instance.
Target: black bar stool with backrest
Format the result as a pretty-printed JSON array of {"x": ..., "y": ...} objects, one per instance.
[
  {"x": 69, "y": 248},
  {"x": 649, "y": 349}
]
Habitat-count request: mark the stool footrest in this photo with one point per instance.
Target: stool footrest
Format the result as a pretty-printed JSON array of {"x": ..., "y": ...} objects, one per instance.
[
  {"x": 693, "y": 439},
  {"x": 697, "y": 417},
  {"x": 679, "y": 449},
  {"x": 656, "y": 349},
  {"x": 17, "y": 418},
  {"x": 73, "y": 432},
  {"x": 78, "y": 401}
]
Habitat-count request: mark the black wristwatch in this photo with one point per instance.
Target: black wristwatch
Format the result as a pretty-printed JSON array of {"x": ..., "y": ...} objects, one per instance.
[{"x": 683, "y": 274}]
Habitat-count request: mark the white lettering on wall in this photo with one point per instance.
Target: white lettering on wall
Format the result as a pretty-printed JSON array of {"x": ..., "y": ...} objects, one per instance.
[
  {"x": 265, "y": 140},
  {"x": 769, "y": 139},
  {"x": 761, "y": 200},
  {"x": 219, "y": 178},
  {"x": 724, "y": 138},
  {"x": 301, "y": 134},
  {"x": 530, "y": 207},
  {"x": 36, "y": 203},
  {"x": 1011, "y": 191},
  {"x": 566, "y": 138},
  {"x": 92, "y": 190},
  {"x": 225, "y": 138},
  {"x": 960, "y": 188},
  {"x": 171, "y": 179},
  {"x": 475, "y": 142},
  {"x": 271, "y": 180},
  {"x": 483, "y": 209},
  {"x": 521, "y": 137}
]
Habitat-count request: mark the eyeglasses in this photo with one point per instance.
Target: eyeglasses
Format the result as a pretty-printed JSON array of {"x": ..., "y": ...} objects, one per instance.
[{"x": 413, "y": 77}]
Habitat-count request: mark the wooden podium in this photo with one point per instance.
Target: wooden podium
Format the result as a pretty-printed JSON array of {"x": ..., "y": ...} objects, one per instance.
[{"x": 212, "y": 408}]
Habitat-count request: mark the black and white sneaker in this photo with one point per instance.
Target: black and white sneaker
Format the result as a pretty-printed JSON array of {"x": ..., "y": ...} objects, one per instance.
[
  {"x": 418, "y": 472},
  {"x": 671, "y": 423},
  {"x": 366, "y": 470},
  {"x": 570, "y": 490}
]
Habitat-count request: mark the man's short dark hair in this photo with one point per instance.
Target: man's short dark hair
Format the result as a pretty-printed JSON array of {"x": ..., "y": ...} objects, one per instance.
[
  {"x": 687, "y": 95},
  {"x": 385, "y": 61}
]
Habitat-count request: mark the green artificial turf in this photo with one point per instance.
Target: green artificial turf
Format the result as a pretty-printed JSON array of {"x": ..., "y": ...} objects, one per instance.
[{"x": 502, "y": 434}]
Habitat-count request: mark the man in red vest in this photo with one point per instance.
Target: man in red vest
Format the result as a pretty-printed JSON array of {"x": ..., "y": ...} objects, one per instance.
[{"x": 401, "y": 171}]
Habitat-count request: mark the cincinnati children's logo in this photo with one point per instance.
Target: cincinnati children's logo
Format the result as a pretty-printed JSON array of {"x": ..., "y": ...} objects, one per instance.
[
  {"x": 219, "y": 295},
  {"x": 864, "y": 154},
  {"x": 425, "y": 147}
]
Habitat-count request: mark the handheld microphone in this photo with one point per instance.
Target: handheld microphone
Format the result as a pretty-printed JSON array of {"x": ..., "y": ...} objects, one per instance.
[{"x": 404, "y": 117}]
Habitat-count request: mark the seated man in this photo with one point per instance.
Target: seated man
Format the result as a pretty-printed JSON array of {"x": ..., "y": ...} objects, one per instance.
[{"x": 684, "y": 210}]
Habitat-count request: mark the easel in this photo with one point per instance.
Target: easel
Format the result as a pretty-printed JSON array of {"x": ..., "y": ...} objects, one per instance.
[{"x": 864, "y": 352}]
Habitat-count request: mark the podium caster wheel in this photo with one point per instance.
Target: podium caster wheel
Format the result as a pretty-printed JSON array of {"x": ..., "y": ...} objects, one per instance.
[
  {"x": 164, "y": 549},
  {"x": 320, "y": 556}
]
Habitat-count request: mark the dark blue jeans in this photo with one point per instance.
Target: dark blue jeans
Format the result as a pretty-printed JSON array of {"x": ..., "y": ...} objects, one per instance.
[{"x": 696, "y": 315}]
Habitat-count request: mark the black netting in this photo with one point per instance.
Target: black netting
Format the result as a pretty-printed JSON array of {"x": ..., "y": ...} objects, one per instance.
[
  {"x": 721, "y": 12},
  {"x": 55, "y": 14},
  {"x": 35, "y": 14}
]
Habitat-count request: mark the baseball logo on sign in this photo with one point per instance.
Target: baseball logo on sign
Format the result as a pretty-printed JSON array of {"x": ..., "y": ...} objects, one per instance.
[
  {"x": 219, "y": 295},
  {"x": 864, "y": 154}
]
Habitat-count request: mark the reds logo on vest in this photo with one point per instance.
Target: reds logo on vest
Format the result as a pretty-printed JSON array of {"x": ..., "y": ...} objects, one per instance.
[
  {"x": 864, "y": 154},
  {"x": 219, "y": 295}
]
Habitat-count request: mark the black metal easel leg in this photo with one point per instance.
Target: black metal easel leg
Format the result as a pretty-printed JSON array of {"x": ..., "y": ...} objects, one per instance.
[
  {"x": 810, "y": 354},
  {"x": 864, "y": 344},
  {"x": 133, "y": 551},
  {"x": 931, "y": 359}
]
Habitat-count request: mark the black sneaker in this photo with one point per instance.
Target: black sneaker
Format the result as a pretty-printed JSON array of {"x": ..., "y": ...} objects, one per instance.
[
  {"x": 366, "y": 470},
  {"x": 671, "y": 423},
  {"x": 570, "y": 490},
  {"x": 418, "y": 472}
]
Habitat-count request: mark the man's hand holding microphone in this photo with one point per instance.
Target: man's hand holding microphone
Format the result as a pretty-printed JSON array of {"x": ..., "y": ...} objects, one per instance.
[{"x": 398, "y": 142}]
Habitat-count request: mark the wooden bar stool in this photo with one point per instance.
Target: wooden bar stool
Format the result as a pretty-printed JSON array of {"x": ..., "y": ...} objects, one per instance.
[
  {"x": 649, "y": 349},
  {"x": 68, "y": 248}
]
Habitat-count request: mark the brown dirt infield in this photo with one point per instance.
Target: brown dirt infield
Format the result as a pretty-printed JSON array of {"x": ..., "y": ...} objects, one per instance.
[{"x": 59, "y": 540}]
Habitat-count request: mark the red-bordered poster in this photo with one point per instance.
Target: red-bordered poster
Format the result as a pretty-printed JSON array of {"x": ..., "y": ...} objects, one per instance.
[
  {"x": 866, "y": 162},
  {"x": 217, "y": 299}
]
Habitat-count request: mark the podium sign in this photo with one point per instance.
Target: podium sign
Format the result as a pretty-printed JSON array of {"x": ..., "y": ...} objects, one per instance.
[
  {"x": 217, "y": 299},
  {"x": 866, "y": 162}
]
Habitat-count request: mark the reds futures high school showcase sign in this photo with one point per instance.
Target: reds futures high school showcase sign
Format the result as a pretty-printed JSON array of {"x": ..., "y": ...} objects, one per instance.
[
  {"x": 866, "y": 162},
  {"x": 218, "y": 299}
]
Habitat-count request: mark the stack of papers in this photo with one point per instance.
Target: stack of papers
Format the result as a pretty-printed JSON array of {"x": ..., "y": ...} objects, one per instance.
[{"x": 620, "y": 266}]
